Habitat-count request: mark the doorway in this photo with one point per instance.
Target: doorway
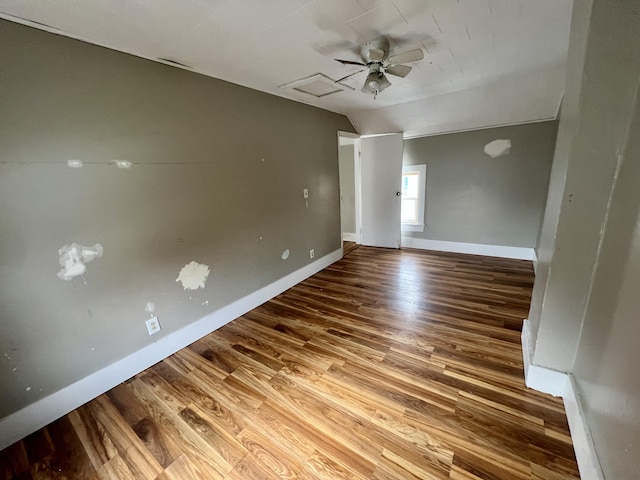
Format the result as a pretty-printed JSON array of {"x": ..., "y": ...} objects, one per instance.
[
  {"x": 349, "y": 177},
  {"x": 370, "y": 172}
]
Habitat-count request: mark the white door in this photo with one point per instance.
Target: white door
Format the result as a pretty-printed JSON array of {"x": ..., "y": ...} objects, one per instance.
[{"x": 381, "y": 178}]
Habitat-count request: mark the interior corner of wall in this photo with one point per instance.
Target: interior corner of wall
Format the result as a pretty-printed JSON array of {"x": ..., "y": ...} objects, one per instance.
[{"x": 353, "y": 124}]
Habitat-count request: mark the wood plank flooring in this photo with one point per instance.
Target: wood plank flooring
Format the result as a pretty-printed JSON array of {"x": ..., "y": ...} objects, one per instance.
[
  {"x": 348, "y": 247},
  {"x": 386, "y": 365}
]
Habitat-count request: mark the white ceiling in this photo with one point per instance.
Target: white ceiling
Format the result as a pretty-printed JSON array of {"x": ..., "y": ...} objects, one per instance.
[{"x": 487, "y": 62}]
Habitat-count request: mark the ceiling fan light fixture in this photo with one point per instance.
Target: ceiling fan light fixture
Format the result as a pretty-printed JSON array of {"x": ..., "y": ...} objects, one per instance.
[
  {"x": 384, "y": 83},
  {"x": 375, "y": 58},
  {"x": 375, "y": 83}
]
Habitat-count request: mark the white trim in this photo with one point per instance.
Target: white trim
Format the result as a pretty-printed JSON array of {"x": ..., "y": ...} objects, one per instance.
[
  {"x": 357, "y": 175},
  {"x": 545, "y": 380},
  {"x": 35, "y": 416},
  {"x": 371, "y": 135},
  {"x": 520, "y": 253},
  {"x": 422, "y": 196},
  {"x": 527, "y": 349},
  {"x": 347, "y": 138},
  {"x": 408, "y": 227},
  {"x": 349, "y": 237},
  {"x": 563, "y": 385},
  {"x": 586, "y": 455},
  {"x": 417, "y": 134},
  {"x": 535, "y": 261},
  {"x": 342, "y": 133}
]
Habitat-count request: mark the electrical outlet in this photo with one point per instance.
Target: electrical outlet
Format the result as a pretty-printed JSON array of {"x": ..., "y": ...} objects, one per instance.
[
  {"x": 153, "y": 325},
  {"x": 305, "y": 193},
  {"x": 312, "y": 253}
]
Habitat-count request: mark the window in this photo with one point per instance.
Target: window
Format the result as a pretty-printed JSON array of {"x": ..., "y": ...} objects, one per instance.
[{"x": 413, "y": 197}]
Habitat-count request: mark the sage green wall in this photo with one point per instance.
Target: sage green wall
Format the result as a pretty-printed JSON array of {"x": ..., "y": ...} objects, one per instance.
[
  {"x": 473, "y": 198},
  {"x": 198, "y": 190},
  {"x": 348, "y": 188},
  {"x": 606, "y": 365},
  {"x": 585, "y": 308},
  {"x": 568, "y": 124},
  {"x": 602, "y": 77}
]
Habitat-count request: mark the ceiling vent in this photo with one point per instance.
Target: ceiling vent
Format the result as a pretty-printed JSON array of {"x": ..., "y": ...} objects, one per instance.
[{"x": 317, "y": 85}]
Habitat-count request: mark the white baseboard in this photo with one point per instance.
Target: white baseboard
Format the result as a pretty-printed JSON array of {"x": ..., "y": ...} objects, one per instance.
[
  {"x": 586, "y": 455},
  {"x": 563, "y": 385},
  {"x": 535, "y": 262},
  {"x": 35, "y": 416},
  {"x": 520, "y": 253},
  {"x": 349, "y": 237},
  {"x": 539, "y": 378}
]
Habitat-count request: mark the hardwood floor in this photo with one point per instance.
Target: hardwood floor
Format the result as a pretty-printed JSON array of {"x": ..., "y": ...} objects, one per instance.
[
  {"x": 386, "y": 365},
  {"x": 348, "y": 247}
]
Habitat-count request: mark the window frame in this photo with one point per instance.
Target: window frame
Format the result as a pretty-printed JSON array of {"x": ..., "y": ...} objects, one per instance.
[{"x": 422, "y": 191}]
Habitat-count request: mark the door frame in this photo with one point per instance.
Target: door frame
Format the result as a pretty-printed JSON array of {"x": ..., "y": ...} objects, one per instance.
[{"x": 353, "y": 138}]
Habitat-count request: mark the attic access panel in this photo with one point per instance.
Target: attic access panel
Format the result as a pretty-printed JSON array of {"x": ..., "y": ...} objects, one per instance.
[{"x": 317, "y": 85}]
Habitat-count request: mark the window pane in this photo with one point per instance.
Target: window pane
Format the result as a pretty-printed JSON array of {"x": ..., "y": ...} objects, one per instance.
[
  {"x": 413, "y": 201},
  {"x": 410, "y": 184},
  {"x": 409, "y": 210}
]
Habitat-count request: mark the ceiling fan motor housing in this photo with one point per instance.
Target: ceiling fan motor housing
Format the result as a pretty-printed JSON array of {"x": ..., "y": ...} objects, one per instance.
[{"x": 381, "y": 43}]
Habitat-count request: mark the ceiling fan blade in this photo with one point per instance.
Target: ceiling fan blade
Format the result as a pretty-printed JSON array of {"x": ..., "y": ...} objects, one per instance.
[
  {"x": 376, "y": 55},
  {"x": 350, "y": 62},
  {"x": 398, "y": 70},
  {"x": 351, "y": 75},
  {"x": 410, "y": 56}
]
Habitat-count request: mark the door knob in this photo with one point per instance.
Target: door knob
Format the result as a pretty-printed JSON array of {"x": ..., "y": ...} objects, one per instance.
[{"x": 398, "y": 194}]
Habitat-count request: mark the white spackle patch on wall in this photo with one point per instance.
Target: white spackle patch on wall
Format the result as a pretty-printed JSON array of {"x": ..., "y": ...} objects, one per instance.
[
  {"x": 122, "y": 163},
  {"x": 75, "y": 163},
  {"x": 149, "y": 307},
  {"x": 498, "y": 148},
  {"x": 193, "y": 275},
  {"x": 285, "y": 254},
  {"x": 74, "y": 257}
]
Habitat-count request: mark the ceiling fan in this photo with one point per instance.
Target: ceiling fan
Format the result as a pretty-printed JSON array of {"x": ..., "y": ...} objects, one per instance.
[{"x": 376, "y": 59}]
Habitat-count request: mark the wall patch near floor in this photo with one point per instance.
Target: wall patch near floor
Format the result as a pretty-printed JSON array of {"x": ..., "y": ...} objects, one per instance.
[
  {"x": 285, "y": 254},
  {"x": 74, "y": 257},
  {"x": 193, "y": 275},
  {"x": 498, "y": 148}
]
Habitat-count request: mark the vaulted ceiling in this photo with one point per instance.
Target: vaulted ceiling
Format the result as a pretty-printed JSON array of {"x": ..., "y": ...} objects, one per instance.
[{"x": 487, "y": 62}]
